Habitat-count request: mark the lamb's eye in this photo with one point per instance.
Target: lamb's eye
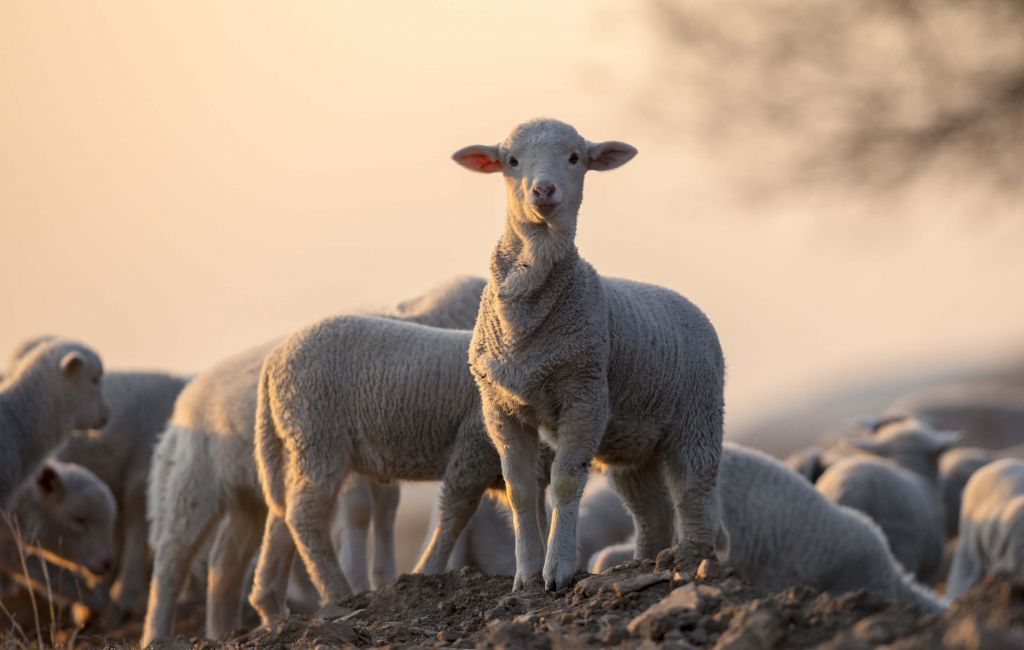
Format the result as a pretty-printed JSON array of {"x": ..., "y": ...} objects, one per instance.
[
  {"x": 573, "y": 159},
  {"x": 512, "y": 161}
]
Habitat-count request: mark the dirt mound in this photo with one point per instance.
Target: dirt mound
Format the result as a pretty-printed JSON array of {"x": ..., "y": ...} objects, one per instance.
[{"x": 634, "y": 605}]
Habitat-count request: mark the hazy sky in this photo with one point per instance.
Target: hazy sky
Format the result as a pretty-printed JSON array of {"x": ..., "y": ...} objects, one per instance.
[{"x": 182, "y": 180}]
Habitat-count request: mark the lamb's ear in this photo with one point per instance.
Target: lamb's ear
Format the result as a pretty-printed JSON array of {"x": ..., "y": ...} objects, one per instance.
[
  {"x": 609, "y": 155},
  {"x": 864, "y": 444},
  {"x": 48, "y": 480},
  {"x": 873, "y": 424},
  {"x": 479, "y": 158},
  {"x": 71, "y": 363}
]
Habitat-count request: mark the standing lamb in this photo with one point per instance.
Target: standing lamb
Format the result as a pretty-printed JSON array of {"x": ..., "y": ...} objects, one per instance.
[
  {"x": 204, "y": 470},
  {"x": 383, "y": 398},
  {"x": 69, "y": 513},
  {"x": 629, "y": 374},
  {"x": 783, "y": 532},
  {"x": 991, "y": 526},
  {"x": 956, "y": 467},
  {"x": 140, "y": 404},
  {"x": 897, "y": 487},
  {"x": 53, "y": 389}
]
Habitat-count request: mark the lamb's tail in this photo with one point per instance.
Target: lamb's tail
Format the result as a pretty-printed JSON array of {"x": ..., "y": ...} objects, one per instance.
[{"x": 270, "y": 452}]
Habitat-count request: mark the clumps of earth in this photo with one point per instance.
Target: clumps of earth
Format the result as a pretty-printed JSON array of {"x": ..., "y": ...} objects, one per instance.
[{"x": 639, "y": 604}]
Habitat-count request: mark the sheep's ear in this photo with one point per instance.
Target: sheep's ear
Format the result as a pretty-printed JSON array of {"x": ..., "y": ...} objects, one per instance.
[
  {"x": 609, "y": 155},
  {"x": 71, "y": 363},
  {"x": 943, "y": 440},
  {"x": 479, "y": 158},
  {"x": 864, "y": 444},
  {"x": 873, "y": 424},
  {"x": 48, "y": 480}
]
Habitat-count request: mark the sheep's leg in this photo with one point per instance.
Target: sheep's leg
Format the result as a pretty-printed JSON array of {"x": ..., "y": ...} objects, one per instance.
[
  {"x": 132, "y": 572},
  {"x": 386, "y": 497},
  {"x": 355, "y": 507},
  {"x": 458, "y": 503},
  {"x": 270, "y": 582},
  {"x": 966, "y": 569},
  {"x": 173, "y": 559},
  {"x": 579, "y": 432},
  {"x": 312, "y": 492},
  {"x": 691, "y": 472},
  {"x": 518, "y": 447},
  {"x": 235, "y": 543},
  {"x": 642, "y": 489}
]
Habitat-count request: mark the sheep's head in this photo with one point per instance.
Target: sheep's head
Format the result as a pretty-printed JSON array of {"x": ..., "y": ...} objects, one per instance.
[
  {"x": 543, "y": 162},
  {"x": 909, "y": 442},
  {"x": 82, "y": 369}
]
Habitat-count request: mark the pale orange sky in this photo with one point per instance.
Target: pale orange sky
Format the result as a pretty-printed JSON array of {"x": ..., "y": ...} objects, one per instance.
[{"x": 182, "y": 180}]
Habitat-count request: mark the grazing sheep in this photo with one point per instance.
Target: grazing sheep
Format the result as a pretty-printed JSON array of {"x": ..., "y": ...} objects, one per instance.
[
  {"x": 956, "y": 467},
  {"x": 67, "y": 513},
  {"x": 811, "y": 462},
  {"x": 783, "y": 532},
  {"x": 991, "y": 526},
  {"x": 53, "y": 389},
  {"x": 897, "y": 487},
  {"x": 204, "y": 471},
  {"x": 383, "y": 398},
  {"x": 628, "y": 374},
  {"x": 140, "y": 404}
]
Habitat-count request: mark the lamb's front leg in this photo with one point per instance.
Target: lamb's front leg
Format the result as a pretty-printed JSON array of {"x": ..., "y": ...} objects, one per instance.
[
  {"x": 579, "y": 433},
  {"x": 517, "y": 446}
]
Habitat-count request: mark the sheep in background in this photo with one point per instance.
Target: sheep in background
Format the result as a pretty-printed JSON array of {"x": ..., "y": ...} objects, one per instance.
[
  {"x": 988, "y": 416},
  {"x": 991, "y": 526},
  {"x": 897, "y": 487},
  {"x": 55, "y": 388},
  {"x": 783, "y": 532},
  {"x": 626, "y": 373},
  {"x": 204, "y": 470},
  {"x": 956, "y": 467},
  {"x": 383, "y": 398},
  {"x": 68, "y": 513},
  {"x": 811, "y": 462}
]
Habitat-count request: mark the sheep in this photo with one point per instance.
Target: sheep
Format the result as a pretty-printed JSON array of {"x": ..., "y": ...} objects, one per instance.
[
  {"x": 628, "y": 374},
  {"x": 140, "y": 404},
  {"x": 53, "y": 389},
  {"x": 811, "y": 462},
  {"x": 897, "y": 486},
  {"x": 67, "y": 513},
  {"x": 487, "y": 543},
  {"x": 991, "y": 526},
  {"x": 783, "y": 532},
  {"x": 956, "y": 467},
  {"x": 383, "y": 398},
  {"x": 204, "y": 470}
]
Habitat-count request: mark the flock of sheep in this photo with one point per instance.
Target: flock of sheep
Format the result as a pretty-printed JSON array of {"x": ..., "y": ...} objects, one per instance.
[{"x": 299, "y": 445}]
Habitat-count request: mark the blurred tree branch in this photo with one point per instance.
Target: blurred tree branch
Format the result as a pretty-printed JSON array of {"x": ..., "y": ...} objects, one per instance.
[{"x": 872, "y": 91}]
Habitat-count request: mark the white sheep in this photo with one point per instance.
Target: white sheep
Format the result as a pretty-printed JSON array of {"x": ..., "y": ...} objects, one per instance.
[
  {"x": 991, "y": 526},
  {"x": 55, "y": 388},
  {"x": 383, "y": 398},
  {"x": 956, "y": 467},
  {"x": 783, "y": 532},
  {"x": 896, "y": 485},
  {"x": 204, "y": 471},
  {"x": 628, "y": 374},
  {"x": 68, "y": 513}
]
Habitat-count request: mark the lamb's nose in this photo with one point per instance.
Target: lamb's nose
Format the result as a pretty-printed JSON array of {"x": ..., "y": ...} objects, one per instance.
[{"x": 543, "y": 189}]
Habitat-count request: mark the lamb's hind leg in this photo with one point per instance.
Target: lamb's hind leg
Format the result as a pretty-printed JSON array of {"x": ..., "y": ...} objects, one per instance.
[
  {"x": 233, "y": 547},
  {"x": 386, "y": 497},
  {"x": 691, "y": 472},
  {"x": 270, "y": 582},
  {"x": 643, "y": 490},
  {"x": 355, "y": 511}
]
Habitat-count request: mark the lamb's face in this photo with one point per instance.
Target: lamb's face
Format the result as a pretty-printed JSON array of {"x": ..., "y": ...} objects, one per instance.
[
  {"x": 78, "y": 525},
  {"x": 82, "y": 369},
  {"x": 543, "y": 163}
]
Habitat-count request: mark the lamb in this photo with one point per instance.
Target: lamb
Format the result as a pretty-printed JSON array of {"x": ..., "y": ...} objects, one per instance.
[
  {"x": 383, "y": 398},
  {"x": 783, "y": 532},
  {"x": 898, "y": 489},
  {"x": 956, "y": 467},
  {"x": 991, "y": 526},
  {"x": 811, "y": 462},
  {"x": 628, "y": 374},
  {"x": 140, "y": 404},
  {"x": 67, "y": 513},
  {"x": 53, "y": 389},
  {"x": 204, "y": 470}
]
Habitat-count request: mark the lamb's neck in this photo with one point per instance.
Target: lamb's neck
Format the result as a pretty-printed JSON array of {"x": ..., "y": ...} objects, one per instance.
[
  {"x": 37, "y": 413},
  {"x": 527, "y": 255}
]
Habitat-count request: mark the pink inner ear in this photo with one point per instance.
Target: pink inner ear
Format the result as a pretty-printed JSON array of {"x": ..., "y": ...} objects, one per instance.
[{"x": 480, "y": 161}]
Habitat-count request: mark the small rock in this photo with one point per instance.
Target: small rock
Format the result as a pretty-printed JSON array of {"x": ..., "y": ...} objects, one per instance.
[
  {"x": 332, "y": 611},
  {"x": 613, "y": 630},
  {"x": 640, "y": 582},
  {"x": 970, "y": 634},
  {"x": 592, "y": 585},
  {"x": 448, "y": 636},
  {"x": 753, "y": 630},
  {"x": 654, "y": 621},
  {"x": 882, "y": 627}
]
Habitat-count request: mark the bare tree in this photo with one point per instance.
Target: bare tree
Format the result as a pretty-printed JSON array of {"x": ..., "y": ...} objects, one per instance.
[{"x": 875, "y": 91}]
